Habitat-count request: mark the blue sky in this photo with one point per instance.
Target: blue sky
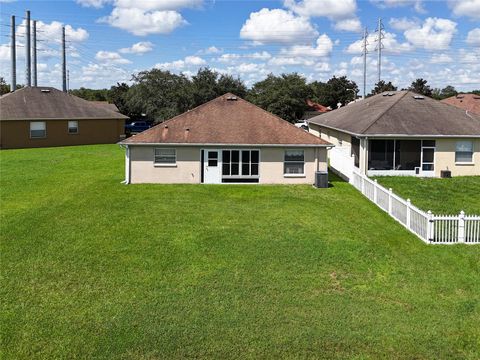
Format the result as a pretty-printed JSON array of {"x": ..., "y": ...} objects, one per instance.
[{"x": 108, "y": 40}]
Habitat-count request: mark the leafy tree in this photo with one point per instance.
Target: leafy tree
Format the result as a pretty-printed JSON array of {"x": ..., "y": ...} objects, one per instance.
[
  {"x": 334, "y": 91},
  {"x": 420, "y": 87},
  {"x": 118, "y": 95},
  {"x": 284, "y": 95},
  {"x": 90, "y": 94},
  {"x": 208, "y": 84},
  {"x": 381, "y": 87},
  {"x": 4, "y": 87},
  {"x": 444, "y": 93},
  {"x": 158, "y": 94}
]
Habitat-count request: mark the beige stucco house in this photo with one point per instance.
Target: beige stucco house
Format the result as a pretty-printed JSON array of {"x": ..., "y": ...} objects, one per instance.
[
  {"x": 226, "y": 140},
  {"x": 401, "y": 133}
]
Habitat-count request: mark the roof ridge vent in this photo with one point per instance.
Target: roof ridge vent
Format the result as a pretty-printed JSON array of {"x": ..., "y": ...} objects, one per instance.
[
  {"x": 231, "y": 98},
  {"x": 45, "y": 90},
  {"x": 418, "y": 97}
]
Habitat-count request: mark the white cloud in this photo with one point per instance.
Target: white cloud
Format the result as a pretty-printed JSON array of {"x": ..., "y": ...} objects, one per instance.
[
  {"x": 212, "y": 50},
  {"x": 332, "y": 9},
  {"x": 5, "y": 52},
  {"x": 189, "y": 61},
  {"x": 468, "y": 8},
  {"x": 402, "y": 24},
  {"x": 473, "y": 37},
  {"x": 233, "y": 58},
  {"x": 324, "y": 46},
  {"x": 434, "y": 34},
  {"x": 141, "y": 47},
  {"x": 277, "y": 26},
  {"x": 441, "y": 59},
  {"x": 390, "y": 45},
  {"x": 111, "y": 57},
  {"x": 52, "y": 32},
  {"x": 348, "y": 25},
  {"x": 93, "y": 3},
  {"x": 143, "y": 17},
  {"x": 140, "y": 22},
  {"x": 417, "y": 4}
]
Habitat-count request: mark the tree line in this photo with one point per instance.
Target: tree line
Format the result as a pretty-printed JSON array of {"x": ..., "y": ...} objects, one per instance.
[{"x": 158, "y": 95}]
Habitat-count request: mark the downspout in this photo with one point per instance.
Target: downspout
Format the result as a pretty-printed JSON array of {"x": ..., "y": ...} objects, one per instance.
[{"x": 127, "y": 164}]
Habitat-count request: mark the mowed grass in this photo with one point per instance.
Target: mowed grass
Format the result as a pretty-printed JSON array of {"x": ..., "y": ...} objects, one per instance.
[
  {"x": 92, "y": 268},
  {"x": 441, "y": 196}
]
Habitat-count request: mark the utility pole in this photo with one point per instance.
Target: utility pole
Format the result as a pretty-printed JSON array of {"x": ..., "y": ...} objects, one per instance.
[
  {"x": 64, "y": 62},
  {"x": 365, "y": 43},
  {"x": 68, "y": 81},
  {"x": 34, "y": 50},
  {"x": 13, "y": 57},
  {"x": 28, "y": 47},
  {"x": 379, "y": 47}
]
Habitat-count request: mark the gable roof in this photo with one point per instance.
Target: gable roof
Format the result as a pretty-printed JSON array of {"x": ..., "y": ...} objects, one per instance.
[
  {"x": 227, "y": 120},
  {"x": 47, "y": 103},
  {"x": 469, "y": 102},
  {"x": 400, "y": 113}
]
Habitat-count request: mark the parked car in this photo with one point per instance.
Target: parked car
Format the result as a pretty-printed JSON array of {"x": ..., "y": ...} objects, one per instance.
[
  {"x": 302, "y": 125},
  {"x": 136, "y": 127}
]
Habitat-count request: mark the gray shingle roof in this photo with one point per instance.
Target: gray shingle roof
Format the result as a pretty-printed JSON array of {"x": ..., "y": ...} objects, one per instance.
[
  {"x": 399, "y": 113},
  {"x": 32, "y": 103}
]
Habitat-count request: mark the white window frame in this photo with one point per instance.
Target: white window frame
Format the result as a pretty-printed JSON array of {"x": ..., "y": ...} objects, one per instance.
[
  {"x": 69, "y": 127},
  {"x": 295, "y": 162},
  {"x": 44, "y": 129},
  {"x": 157, "y": 153},
  {"x": 471, "y": 152}
]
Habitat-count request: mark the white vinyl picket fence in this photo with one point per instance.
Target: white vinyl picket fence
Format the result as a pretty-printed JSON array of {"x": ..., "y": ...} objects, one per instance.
[{"x": 432, "y": 229}]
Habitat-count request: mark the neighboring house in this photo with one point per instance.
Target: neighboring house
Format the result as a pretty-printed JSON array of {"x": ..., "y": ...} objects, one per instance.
[
  {"x": 468, "y": 102},
  {"x": 44, "y": 116},
  {"x": 401, "y": 133},
  {"x": 226, "y": 140},
  {"x": 314, "y": 109}
]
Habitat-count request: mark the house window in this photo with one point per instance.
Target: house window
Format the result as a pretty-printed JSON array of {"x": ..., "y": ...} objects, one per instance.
[
  {"x": 38, "y": 129},
  {"x": 73, "y": 127},
  {"x": 240, "y": 163},
  {"x": 464, "y": 152},
  {"x": 294, "y": 162},
  {"x": 165, "y": 156}
]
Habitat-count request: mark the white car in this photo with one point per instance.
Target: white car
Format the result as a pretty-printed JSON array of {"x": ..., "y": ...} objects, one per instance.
[{"x": 302, "y": 125}]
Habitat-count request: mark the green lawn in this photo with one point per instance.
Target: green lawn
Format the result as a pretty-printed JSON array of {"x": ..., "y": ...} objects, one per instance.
[
  {"x": 92, "y": 268},
  {"x": 441, "y": 196}
]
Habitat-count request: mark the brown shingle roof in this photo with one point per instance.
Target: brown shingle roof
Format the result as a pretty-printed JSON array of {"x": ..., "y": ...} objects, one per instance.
[
  {"x": 105, "y": 104},
  {"x": 31, "y": 103},
  {"x": 469, "y": 102},
  {"x": 399, "y": 113},
  {"x": 227, "y": 119}
]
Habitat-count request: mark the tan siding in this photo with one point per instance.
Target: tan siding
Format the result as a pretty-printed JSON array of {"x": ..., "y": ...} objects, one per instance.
[
  {"x": 186, "y": 171},
  {"x": 445, "y": 158},
  {"x": 16, "y": 134},
  {"x": 188, "y": 165}
]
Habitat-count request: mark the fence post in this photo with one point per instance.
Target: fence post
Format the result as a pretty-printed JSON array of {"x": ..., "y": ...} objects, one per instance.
[
  {"x": 409, "y": 212},
  {"x": 363, "y": 185},
  {"x": 375, "y": 191},
  {"x": 390, "y": 191},
  {"x": 461, "y": 227},
  {"x": 430, "y": 227}
]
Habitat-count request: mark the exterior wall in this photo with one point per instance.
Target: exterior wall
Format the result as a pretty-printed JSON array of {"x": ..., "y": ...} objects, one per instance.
[
  {"x": 15, "y": 134},
  {"x": 445, "y": 158},
  {"x": 186, "y": 170},
  {"x": 334, "y": 137},
  {"x": 188, "y": 166}
]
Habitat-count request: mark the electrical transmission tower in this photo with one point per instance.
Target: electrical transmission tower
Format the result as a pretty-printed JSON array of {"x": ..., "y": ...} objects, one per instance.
[
  {"x": 379, "y": 47},
  {"x": 365, "y": 51}
]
